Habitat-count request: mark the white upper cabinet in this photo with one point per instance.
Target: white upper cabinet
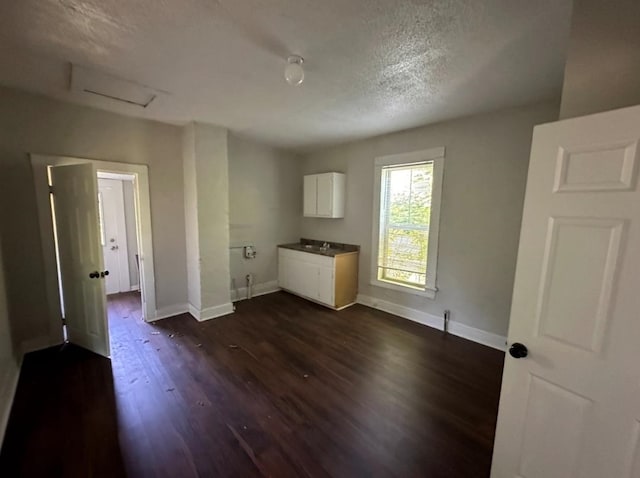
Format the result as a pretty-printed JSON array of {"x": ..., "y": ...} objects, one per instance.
[
  {"x": 310, "y": 195},
  {"x": 324, "y": 195}
]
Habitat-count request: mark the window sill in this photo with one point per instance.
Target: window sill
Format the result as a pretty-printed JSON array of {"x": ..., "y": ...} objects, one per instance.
[{"x": 428, "y": 292}]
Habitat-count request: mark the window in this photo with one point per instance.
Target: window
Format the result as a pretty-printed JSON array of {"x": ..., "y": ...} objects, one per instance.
[{"x": 406, "y": 221}]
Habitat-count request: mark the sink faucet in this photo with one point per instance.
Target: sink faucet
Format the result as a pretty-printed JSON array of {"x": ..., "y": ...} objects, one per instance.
[{"x": 325, "y": 246}]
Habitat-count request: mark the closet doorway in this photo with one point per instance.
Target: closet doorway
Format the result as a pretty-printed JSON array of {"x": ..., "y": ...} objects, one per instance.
[
  {"x": 118, "y": 238},
  {"x": 77, "y": 241}
]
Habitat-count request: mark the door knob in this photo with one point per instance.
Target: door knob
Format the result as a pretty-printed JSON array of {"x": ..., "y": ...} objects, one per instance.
[
  {"x": 518, "y": 350},
  {"x": 114, "y": 248},
  {"x": 94, "y": 275},
  {"x": 104, "y": 273}
]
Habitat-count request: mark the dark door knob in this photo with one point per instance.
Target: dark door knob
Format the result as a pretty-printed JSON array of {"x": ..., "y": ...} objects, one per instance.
[
  {"x": 94, "y": 275},
  {"x": 518, "y": 350},
  {"x": 104, "y": 273}
]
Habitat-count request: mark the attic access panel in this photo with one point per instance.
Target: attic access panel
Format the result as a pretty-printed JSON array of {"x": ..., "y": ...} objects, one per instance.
[{"x": 97, "y": 83}]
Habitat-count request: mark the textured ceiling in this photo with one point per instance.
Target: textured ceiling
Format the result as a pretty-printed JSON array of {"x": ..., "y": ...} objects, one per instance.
[{"x": 372, "y": 66}]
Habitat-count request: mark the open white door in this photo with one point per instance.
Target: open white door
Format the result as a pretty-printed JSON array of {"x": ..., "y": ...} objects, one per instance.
[
  {"x": 571, "y": 407},
  {"x": 75, "y": 195}
]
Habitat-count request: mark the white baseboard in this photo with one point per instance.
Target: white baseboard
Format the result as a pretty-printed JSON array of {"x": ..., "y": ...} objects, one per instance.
[
  {"x": 170, "y": 311},
  {"x": 480, "y": 336},
  {"x": 211, "y": 312},
  {"x": 258, "y": 289},
  {"x": 8, "y": 386},
  {"x": 455, "y": 328},
  {"x": 401, "y": 311},
  {"x": 134, "y": 288}
]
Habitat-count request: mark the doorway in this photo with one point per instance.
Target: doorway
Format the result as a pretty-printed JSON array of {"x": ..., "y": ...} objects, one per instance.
[
  {"x": 119, "y": 242},
  {"x": 118, "y": 236},
  {"x": 80, "y": 298}
]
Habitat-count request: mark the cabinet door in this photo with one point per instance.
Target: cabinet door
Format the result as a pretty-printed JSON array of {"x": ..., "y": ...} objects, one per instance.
[
  {"x": 310, "y": 280},
  {"x": 325, "y": 285},
  {"x": 302, "y": 278},
  {"x": 294, "y": 275},
  {"x": 325, "y": 195},
  {"x": 310, "y": 195},
  {"x": 283, "y": 273}
]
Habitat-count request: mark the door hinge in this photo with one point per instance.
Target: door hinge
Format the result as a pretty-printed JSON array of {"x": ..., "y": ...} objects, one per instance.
[{"x": 51, "y": 190}]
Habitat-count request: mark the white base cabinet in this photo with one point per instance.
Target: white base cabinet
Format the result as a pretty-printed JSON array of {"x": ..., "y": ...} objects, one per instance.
[{"x": 331, "y": 281}]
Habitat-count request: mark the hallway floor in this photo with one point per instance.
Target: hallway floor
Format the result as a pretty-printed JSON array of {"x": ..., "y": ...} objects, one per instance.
[{"x": 281, "y": 388}]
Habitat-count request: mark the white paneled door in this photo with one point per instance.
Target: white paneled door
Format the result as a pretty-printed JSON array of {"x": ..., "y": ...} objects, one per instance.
[
  {"x": 570, "y": 403},
  {"x": 114, "y": 235},
  {"x": 75, "y": 196}
]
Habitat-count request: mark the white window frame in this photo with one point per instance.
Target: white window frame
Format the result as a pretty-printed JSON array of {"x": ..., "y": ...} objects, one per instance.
[{"x": 437, "y": 156}]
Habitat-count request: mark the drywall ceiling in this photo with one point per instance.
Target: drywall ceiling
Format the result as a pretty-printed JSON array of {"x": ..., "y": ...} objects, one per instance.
[{"x": 372, "y": 66}]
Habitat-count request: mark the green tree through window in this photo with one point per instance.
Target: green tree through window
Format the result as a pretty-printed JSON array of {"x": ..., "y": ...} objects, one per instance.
[{"x": 405, "y": 209}]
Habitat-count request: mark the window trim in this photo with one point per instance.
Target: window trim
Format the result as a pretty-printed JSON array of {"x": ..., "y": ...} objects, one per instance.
[{"x": 437, "y": 156}]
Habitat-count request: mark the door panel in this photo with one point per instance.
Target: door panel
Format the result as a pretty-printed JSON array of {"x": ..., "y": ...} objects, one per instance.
[
  {"x": 75, "y": 196},
  {"x": 571, "y": 408},
  {"x": 575, "y": 293},
  {"x": 554, "y": 411}
]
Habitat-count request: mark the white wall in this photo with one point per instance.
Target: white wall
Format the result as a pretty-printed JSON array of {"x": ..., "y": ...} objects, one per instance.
[
  {"x": 484, "y": 181},
  {"x": 8, "y": 360},
  {"x": 265, "y": 200},
  {"x": 207, "y": 209},
  {"x": 213, "y": 213},
  {"x": 30, "y": 123},
  {"x": 603, "y": 63},
  {"x": 191, "y": 216}
]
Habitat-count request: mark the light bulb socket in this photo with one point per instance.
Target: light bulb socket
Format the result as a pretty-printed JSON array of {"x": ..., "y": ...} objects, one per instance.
[{"x": 295, "y": 59}]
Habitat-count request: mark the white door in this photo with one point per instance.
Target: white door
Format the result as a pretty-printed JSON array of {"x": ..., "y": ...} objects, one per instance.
[
  {"x": 310, "y": 195},
  {"x": 114, "y": 235},
  {"x": 571, "y": 407},
  {"x": 325, "y": 195},
  {"x": 75, "y": 195}
]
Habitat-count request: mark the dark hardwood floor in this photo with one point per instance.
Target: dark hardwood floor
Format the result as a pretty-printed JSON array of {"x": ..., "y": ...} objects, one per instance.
[{"x": 282, "y": 388}]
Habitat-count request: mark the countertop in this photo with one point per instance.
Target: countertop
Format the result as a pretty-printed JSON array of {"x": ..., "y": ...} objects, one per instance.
[{"x": 314, "y": 247}]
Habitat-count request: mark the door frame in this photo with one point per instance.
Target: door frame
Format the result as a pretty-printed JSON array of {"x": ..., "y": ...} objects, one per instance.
[{"x": 39, "y": 165}]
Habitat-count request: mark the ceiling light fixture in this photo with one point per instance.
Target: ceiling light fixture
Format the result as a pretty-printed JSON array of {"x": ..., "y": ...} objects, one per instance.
[{"x": 293, "y": 72}]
